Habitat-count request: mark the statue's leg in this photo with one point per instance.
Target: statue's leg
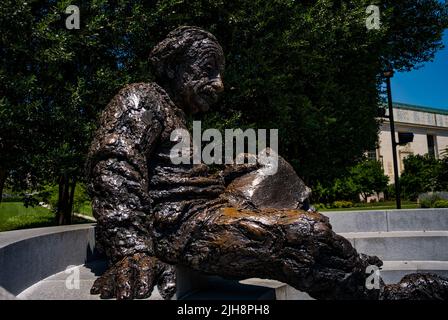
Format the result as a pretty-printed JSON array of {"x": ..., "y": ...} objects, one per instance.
[
  {"x": 291, "y": 246},
  {"x": 295, "y": 247}
]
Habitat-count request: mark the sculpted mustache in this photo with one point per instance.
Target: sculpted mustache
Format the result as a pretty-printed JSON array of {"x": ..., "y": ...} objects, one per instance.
[{"x": 205, "y": 86}]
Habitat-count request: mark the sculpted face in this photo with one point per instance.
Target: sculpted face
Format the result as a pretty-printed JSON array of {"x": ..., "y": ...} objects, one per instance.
[
  {"x": 198, "y": 80},
  {"x": 189, "y": 64}
]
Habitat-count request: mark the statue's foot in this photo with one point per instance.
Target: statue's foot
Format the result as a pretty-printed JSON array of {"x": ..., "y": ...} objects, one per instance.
[
  {"x": 135, "y": 277},
  {"x": 417, "y": 286}
]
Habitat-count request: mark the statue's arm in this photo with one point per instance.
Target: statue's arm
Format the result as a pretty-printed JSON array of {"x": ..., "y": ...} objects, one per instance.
[
  {"x": 118, "y": 173},
  {"x": 118, "y": 183}
]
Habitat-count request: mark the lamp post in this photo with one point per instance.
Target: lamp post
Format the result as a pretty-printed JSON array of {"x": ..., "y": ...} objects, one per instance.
[{"x": 389, "y": 74}]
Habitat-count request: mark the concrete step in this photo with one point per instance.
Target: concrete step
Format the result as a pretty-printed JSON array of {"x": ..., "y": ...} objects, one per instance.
[
  {"x": 402, "y": 245},
  {"x": 389, "y": 220}
]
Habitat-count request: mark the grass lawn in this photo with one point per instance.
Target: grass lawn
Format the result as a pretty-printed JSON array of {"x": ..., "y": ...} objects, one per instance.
[
  {"x": 85, "y": 209},
  {"x": 14, "y": 215},
  {"x": 376, "y": 206}
]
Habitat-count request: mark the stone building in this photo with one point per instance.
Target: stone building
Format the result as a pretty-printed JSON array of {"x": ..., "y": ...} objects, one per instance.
[{"x": 430, "y": 129}]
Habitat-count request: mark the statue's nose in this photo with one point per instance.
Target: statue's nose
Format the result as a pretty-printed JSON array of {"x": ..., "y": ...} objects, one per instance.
[{"x": 217, "y": 84}]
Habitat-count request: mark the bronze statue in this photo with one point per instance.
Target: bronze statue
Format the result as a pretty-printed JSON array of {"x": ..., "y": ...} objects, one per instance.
[{"x": 153, "y": 214}]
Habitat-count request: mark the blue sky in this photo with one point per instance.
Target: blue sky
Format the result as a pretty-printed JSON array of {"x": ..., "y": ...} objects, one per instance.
[{"x": 427, "y": 86}]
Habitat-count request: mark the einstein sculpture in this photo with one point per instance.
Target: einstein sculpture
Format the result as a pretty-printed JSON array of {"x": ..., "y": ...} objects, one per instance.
[{"x": 153, "y": 214}]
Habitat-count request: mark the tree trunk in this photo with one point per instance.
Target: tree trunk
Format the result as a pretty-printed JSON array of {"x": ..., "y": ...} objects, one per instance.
[
  {"x": 60, "y": 200},
  {"x": 3, "y": 176},
  {"x": 364, "y": 196},
  {"x": 68, "y": 213},
  {"x": 65, "y": 201}
]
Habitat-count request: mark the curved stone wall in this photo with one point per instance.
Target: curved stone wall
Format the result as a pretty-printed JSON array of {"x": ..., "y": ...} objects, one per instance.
[{"x": 28, "y": 256}]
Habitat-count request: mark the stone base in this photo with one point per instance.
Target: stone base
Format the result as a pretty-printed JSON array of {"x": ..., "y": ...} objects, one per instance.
[{"x": 191, "y": 286}]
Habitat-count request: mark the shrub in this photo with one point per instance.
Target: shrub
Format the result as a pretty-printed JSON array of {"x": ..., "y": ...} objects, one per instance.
[
  {"x": 389, "y": 193},
  {"x": 319, "y": 206},
  {"x": 429, "y": 202},
  {"x": 340, "y": 189},
  {"x": 342, "y": 204},
  {"x": 426, "y": 203},
  {"x": 441, "y": 204}
]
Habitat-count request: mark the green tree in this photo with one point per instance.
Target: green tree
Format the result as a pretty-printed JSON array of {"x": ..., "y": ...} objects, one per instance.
[
  {"x": 17, "y": 89},
  {"x": 82, "y": 72},
  {"x": 422, "y": 173},
  {"x": 369, "y": 178},
  {"x": 71, "y": 75}
]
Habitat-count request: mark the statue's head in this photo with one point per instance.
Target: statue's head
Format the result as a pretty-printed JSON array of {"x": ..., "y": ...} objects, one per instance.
[{"x": 189, "y": 64}]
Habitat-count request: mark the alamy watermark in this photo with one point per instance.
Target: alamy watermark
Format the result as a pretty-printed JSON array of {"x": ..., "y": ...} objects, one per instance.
[
  {"x": 73, "y": 21},
  {"x": 230, "y": 149},
  {"x": 73, "y": 279},
  {"x": 373, "y": 20},
  {"x": 374, "y": 277}
]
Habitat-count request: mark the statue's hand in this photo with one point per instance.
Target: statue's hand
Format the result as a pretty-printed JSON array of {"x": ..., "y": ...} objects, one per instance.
[
  {"x": 232, "y": 171},
  {"x": 135, "y": 277}
]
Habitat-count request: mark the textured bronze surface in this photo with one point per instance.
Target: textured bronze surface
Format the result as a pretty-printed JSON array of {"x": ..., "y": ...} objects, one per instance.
[{"x": 236, "y": 222}]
